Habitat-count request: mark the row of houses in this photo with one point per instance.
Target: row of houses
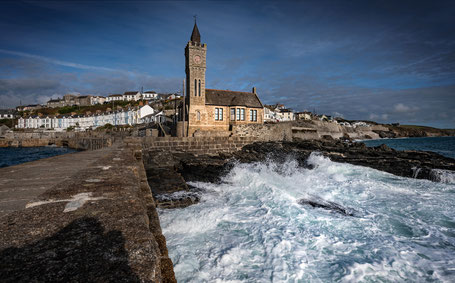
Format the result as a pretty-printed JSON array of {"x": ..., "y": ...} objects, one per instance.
[
  {"x": 279, "y": 113},
  {"x": 87, "y": 100},
  {"x": 133, "y": 116}
]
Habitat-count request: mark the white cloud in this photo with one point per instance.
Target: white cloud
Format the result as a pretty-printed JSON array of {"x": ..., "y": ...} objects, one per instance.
[
  {"x": 401, "y": 108},
  {"x": 373, "y": 116},
  {"x": 59, "y": 62}
]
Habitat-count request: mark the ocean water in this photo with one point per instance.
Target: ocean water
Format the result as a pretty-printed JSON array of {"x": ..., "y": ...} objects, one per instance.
[
  {"x": 442, "y": 145},
  {"x": 17, "y": 155},
  {"x": 251, "y": 227}
]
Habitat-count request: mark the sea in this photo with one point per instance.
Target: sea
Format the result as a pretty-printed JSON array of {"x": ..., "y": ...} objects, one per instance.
[
  {"x": 16, "y": 155},
  {"x": 442, "y": 145},
  {"x": 251, "y": 227}
]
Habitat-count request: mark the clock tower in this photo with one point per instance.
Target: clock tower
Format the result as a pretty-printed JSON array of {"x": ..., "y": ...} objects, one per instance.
[{"x": 195, "y": 65}]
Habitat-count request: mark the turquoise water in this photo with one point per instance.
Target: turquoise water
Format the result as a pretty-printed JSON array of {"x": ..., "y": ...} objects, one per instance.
[
  {"x": 442, "y": 145},
  {"x": 14, "y": 156},
  {"x": 251, "y": 227}
]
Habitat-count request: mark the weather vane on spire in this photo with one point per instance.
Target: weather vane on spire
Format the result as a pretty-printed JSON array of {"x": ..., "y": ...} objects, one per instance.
[{"x": 195, "y": 17}]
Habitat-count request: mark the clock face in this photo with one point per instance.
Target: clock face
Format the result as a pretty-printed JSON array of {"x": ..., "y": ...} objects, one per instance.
[{"x": 197, "y": 59}]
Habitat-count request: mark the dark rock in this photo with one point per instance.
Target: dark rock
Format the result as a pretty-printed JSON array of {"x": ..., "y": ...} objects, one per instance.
[
  {"x": 385, "y": 134},
  {"x": 328, "y": 205},
  {"x": 168, "y": 172},
  {"x": 383, "y": 147}
]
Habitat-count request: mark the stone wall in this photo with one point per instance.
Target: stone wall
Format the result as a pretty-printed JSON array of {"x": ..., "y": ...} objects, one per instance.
[
  {"x": 82, "y": 141},
  {"x": 264, "y": 132},
  {"x": 305, "y": 133},
  {"x": 196, "y": 145}
]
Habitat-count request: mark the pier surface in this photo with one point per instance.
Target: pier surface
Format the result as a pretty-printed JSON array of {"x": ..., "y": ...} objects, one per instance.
[
  {"x": 85, "y": 216},
  {"x": 22, "y": 183}
]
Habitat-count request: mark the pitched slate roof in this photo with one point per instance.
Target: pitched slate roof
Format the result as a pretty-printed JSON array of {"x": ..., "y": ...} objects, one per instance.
[
  {"x": 232, "y": 98},
  {"x": 130, "y": 92}
]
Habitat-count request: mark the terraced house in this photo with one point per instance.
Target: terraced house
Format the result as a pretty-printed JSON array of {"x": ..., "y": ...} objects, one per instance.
[{"x": 212, "y": 110}]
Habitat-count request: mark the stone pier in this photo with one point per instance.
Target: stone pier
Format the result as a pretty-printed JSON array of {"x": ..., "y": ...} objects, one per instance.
[{"x": 86, "y": 216}]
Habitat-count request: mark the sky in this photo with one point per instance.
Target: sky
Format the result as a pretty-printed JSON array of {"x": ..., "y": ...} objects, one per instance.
[{"x": 386, "y": 61}]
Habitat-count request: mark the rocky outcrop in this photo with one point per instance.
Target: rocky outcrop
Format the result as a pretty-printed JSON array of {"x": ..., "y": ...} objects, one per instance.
[
  {"x": 168, "y": 172},
  {"x": 400, "y": 163}
]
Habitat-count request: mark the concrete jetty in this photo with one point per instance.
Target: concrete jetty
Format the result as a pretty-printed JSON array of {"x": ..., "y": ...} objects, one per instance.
[{"x": 86, "y": 216}]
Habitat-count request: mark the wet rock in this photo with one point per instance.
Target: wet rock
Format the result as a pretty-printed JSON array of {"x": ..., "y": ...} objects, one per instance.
[{"x": 328, "y": 205}]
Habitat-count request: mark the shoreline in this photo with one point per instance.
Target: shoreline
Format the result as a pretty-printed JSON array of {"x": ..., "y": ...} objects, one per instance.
[{"x": 168, "y": 173}]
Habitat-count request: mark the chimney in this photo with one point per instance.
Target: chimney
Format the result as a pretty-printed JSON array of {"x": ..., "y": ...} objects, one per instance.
[{"x": 254, "y": 90}]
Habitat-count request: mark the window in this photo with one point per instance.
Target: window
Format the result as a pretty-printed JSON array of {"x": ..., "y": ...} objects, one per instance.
[
  {"x": 198, "y": 115},
  {"x": 232, "y": 114},
  {"x": 238, "y": 114},
  {"x": 218, "y": 114},
  {"x": 195, "y": 87},
  {"x": 242, "y": 114},
  {"x": 199, "y": 87},
  {"x": 253, "y": 115}
]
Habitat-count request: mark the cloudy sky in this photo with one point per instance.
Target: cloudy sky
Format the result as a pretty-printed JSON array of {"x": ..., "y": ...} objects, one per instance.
[{"x": 388, "y": 61}]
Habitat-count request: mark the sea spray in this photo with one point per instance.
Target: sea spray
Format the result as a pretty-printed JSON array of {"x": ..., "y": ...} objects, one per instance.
[
  {"x": 251, "y": 227},
  {"x": 443, "y": 176}
]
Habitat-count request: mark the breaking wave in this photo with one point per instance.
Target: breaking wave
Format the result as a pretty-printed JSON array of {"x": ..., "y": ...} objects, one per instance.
[{"x": 251, "y": 227}]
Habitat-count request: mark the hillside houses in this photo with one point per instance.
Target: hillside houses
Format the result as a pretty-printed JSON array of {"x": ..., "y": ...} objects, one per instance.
[
  {"x": 145, "y": 114},
  {"x": 87, "y": 100},
  {"x": 78, "y": 100},
  {"x": 278, "y": 113},
  {"x": 7, "y": 114}
]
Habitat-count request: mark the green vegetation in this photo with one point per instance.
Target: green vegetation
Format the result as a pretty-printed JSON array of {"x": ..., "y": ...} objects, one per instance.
[
  {"x": 105, "y": 127},
  {"x": 418, "y": 127},
  {"x": 80, "y": 109}
]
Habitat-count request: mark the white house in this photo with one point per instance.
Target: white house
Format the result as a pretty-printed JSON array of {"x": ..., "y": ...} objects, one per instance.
[
  {"x": 84, "y": 122},
  {"x": 98, "y": 100},
  {"x": 114, "y": 97},
  {"x": 285, "y": 115},
  {"x": 149, "y": 95},
  {"x": 7, "y": 114},
  {"x": 145, "y": 111},
  {"x": 269, "y": 115},
  {"x": 132, "y": 95}
]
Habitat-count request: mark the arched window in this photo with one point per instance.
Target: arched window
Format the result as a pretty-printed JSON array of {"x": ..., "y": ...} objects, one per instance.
[
  {"x": 195, "y": 87},
  {"x": 198, "y": 115},
  {"x": 199, "y": 87}
]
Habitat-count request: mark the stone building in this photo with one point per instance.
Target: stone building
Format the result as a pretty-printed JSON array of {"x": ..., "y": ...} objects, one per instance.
[{"x": 212, "y": 110}]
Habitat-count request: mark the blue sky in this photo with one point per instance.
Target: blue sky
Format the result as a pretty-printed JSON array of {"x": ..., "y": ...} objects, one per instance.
[{"x": 377, "y": 60}]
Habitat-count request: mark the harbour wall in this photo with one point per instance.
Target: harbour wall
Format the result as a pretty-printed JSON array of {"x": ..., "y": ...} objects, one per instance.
[
  {"x": 196, "y": 145},
  {"x": 80, "y": 141}
]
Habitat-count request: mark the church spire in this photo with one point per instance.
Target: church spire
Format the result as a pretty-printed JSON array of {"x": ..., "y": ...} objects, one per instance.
[{"x": 195, "y": 36}]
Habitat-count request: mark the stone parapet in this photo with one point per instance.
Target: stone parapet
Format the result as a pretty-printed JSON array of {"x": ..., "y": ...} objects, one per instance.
[
  {"x": 196, "y": 145},
  {"x": 81, "y": 141}
]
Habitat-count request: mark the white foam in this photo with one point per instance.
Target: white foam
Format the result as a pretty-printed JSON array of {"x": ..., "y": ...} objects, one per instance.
[
  {"x": 443, "y": 176},
  {"x": 250, "y": 227}
]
